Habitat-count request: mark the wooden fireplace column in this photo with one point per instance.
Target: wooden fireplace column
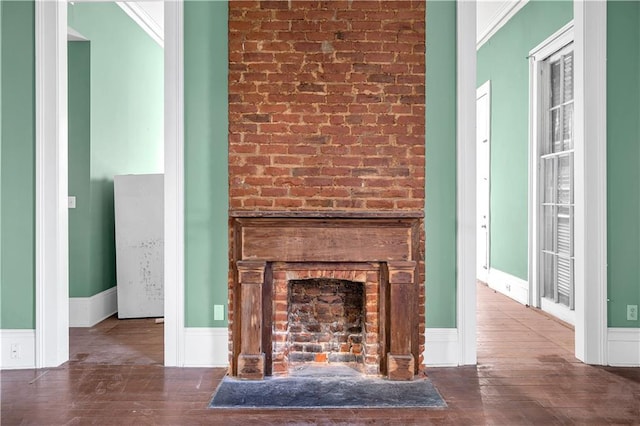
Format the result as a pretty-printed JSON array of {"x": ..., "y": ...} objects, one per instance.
[
  {"x": 251, "y": 282},
  {"x": 400, "y": 359},
  {"x": 389, "y": 241}
]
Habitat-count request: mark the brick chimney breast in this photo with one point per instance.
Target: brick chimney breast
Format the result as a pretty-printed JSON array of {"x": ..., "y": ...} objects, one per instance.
[
  {"x": 327, "y": 174},
  {"x": 326, "y": 105}
]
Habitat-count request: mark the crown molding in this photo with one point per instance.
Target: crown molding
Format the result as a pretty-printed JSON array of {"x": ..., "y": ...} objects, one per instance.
[
  {"x": 144, "y": 20},
  {"x": 500, "y": 18}
]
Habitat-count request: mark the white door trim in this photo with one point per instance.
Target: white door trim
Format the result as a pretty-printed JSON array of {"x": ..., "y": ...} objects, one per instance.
[
  {"x": 174, "y": 333},
  {"x": 466, "y": 180},
  {"x": 52, "y": 253},
  {"x": 52, "y": 241},
  {"x": 590, "y": 80}
]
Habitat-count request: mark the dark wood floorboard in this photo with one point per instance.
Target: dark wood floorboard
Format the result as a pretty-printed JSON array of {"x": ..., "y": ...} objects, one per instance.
[{"x": 526, "y": 375}]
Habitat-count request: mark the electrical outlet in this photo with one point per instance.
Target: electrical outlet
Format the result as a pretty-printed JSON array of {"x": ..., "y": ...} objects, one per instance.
[
  {"x": 218, "y": 312},
  {"x": 632, "y": 312},
  {"x": 15, "y": 351}
]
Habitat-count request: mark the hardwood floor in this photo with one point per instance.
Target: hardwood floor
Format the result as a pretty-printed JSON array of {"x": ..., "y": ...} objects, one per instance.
[{"x": 526, "y": 374}]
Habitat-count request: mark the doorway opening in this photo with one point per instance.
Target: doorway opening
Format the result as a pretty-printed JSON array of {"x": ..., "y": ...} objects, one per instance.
[
  {"x": 511, "y": 103},
  {"x": 115, "y": 134}
]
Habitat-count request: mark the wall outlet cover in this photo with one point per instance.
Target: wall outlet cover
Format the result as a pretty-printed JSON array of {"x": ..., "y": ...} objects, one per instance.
[
  {"x": 15, "y": 351},
  {"x": 218, "y": 312},
  {"x": 632, "y": 312}
]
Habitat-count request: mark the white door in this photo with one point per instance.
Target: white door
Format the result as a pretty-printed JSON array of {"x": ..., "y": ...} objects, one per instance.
[{"x": 483, "y": 171}]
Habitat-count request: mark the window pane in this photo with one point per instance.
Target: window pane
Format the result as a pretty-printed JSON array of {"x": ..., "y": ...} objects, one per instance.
[
  {"x": 549, "y": 181},
  {"x": 565, "y": 280},
  {"x": 564, "y": 179},
  {"x": 556, "y": 133},
  {"x": 564, "y": 231},
  {"x": 567, "y": 126},
  {"x": 547, "y": 275},
  {"x": 547, "y": 228},
  {"x": 568, "y": 77},
  {"x": 556, "y": 78}
]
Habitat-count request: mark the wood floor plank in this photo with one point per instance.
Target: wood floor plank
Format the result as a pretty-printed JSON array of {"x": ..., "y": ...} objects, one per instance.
[{"x": 526, "y": 375}]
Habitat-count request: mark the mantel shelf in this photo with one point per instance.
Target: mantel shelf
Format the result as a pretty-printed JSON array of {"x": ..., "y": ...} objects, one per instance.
[{"x": 328, "y": 214}]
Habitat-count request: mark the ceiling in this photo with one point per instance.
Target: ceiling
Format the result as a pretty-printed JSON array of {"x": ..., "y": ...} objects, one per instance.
[{"x": 488, "y": 12}]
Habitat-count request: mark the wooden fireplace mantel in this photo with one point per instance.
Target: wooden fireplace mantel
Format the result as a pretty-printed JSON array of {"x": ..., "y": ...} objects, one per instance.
[{"x": 389, "y": 239}]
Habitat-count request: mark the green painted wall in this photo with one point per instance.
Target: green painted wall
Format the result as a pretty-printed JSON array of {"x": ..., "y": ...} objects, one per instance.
[
  {"x": 206, "y": 175},
  {"x": 127, "y": 107},
  {"x": 440, "y": 202},
  {"x": 623, "y": 159},
  {"x": 79, "y": 83},
  {"x": 17, "y": 171},
  {"x": 503, "y": 60},
  {"x": 206, "y": 160}
]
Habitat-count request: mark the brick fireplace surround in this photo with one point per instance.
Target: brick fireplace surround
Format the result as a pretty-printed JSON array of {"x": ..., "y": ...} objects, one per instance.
[{"x": 326, "y": 176}]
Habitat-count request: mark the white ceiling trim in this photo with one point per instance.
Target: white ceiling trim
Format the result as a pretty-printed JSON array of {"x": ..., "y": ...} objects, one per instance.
[
  {"x": 144, "y": 20},
  {"x": 506, "y": 11}
]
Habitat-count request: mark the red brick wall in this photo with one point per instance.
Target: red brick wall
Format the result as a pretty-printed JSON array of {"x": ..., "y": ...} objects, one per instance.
[{"x": 326, "y": 105}]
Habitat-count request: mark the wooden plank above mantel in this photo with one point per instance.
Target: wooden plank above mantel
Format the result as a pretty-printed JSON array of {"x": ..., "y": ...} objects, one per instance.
[{"x": 324, "y": 238}]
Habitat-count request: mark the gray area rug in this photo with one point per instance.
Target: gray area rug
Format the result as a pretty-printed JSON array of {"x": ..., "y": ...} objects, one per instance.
[{"x": 310, "y": 389}]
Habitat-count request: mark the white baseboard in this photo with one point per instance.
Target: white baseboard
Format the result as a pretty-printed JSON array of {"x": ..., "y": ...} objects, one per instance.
[
  {"x": 441, "y": 347},
  {"x": 206, "y": 347},
  {"x": 88, "y": 311},
  {"x": 18, "y": 349},
  {"x": 623, "y": 347},
  {"x": 514, "y": 287}
]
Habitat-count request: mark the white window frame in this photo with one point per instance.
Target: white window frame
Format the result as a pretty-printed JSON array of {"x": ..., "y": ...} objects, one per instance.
[{"x": 538, "y": 128}]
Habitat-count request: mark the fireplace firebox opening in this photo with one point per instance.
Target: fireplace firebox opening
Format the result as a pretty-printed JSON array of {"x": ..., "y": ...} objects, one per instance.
[{"x": 326, "y": 322}]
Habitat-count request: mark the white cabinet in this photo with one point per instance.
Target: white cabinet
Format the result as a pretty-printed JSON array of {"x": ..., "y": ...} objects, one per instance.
[{"x": 139, "y": 219}]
